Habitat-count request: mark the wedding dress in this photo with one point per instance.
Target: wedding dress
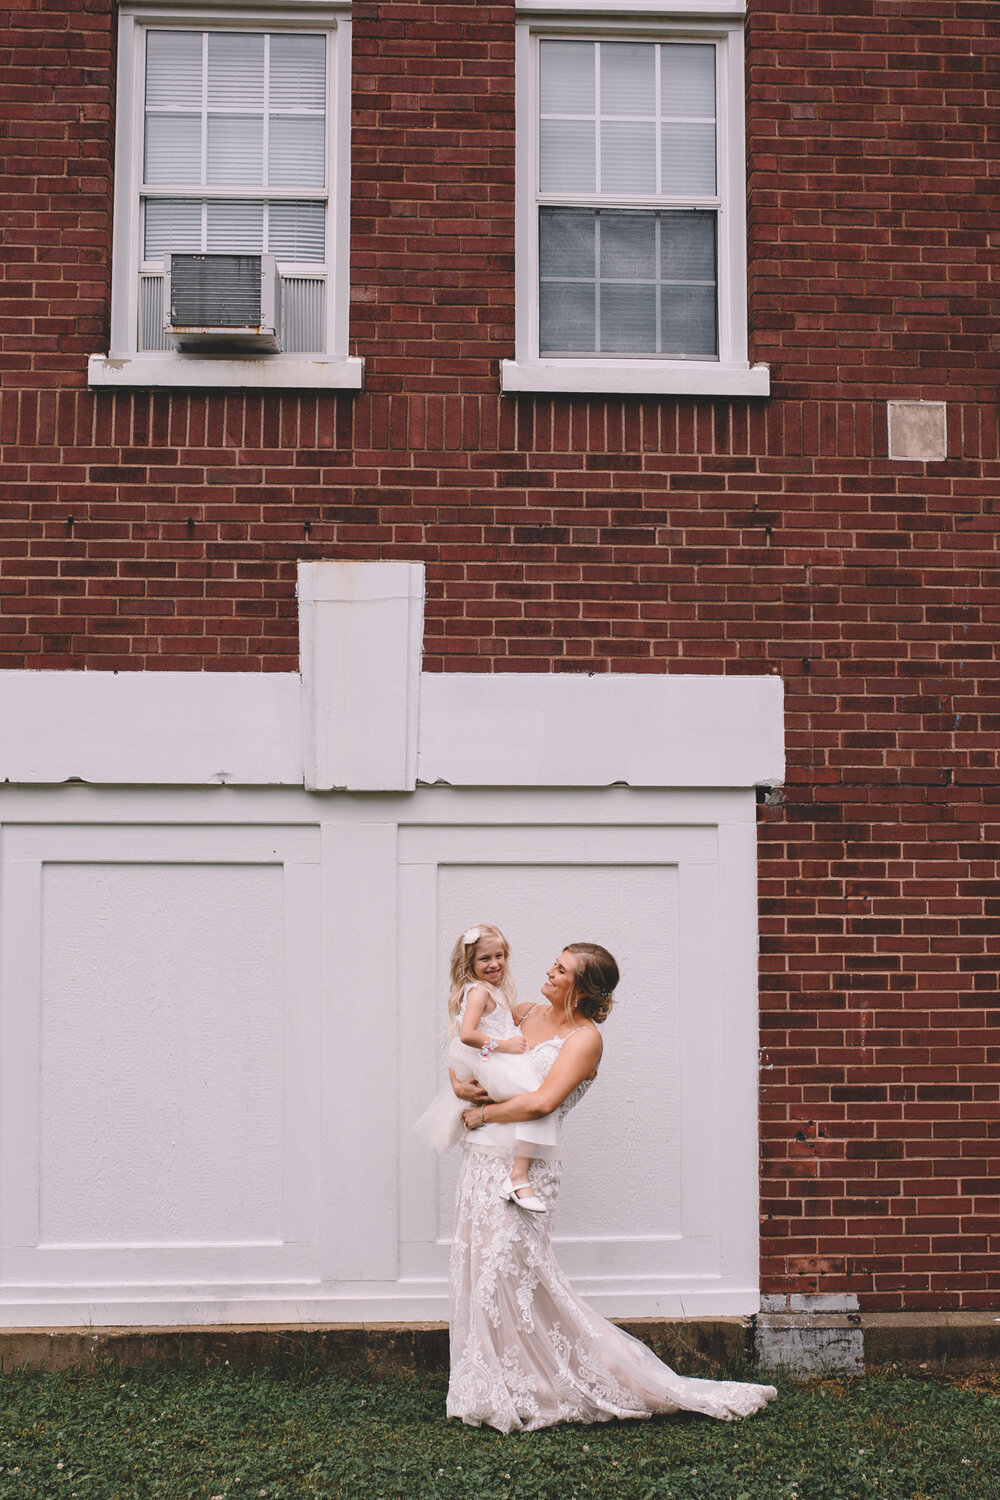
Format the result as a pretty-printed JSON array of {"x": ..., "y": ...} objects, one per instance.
[{"x": 526, "y": 1351}]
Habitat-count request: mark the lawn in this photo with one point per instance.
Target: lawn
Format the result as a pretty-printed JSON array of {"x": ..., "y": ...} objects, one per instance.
[{"x": 279, "y": 1434}]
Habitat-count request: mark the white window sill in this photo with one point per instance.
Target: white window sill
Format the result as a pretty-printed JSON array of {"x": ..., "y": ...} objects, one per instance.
[
  {"x": 195, "y": 372},
  {"x": 635, "y": 377}
]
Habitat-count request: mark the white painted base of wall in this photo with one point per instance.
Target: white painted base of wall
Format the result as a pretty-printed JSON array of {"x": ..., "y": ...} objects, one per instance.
[
  {"x": 222, "y": 1005},
  {"x": 223, "y": 1008}
]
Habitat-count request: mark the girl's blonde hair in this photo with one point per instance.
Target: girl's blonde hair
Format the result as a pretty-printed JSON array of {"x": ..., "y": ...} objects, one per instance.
[{"x": 463, "y": 956}]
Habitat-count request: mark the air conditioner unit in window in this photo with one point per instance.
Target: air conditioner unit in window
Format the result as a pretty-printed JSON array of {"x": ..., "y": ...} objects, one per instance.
[{"x": 222, "y": 301}]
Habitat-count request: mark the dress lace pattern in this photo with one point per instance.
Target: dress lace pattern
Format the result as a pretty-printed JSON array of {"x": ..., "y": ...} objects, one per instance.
[{"x": 526, "y": 1351}]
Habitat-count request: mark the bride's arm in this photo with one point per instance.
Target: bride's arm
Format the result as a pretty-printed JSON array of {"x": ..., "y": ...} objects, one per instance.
[{"x": 578, "y": 1060}]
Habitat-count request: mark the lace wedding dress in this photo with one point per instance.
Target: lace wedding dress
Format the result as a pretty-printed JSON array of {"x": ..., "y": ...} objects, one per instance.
[{"x": 526, "y": 1351}]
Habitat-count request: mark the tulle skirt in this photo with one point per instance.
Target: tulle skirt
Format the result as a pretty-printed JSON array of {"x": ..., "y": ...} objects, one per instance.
[{"x": 503, "y": 1075}]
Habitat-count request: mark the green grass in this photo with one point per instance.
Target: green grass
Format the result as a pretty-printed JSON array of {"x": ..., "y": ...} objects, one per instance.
[{"x": 283, "y": 1434}]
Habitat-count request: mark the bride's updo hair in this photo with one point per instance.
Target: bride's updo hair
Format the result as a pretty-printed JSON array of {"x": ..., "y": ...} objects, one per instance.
[{"x": 595, "y": 980}]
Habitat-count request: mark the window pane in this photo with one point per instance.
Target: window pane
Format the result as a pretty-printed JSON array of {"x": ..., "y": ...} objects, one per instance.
[
  {"x": 173, "y": 70},
  {"x": 628, "y": 246},
  {"x": 171, "y": 224},
  {"x": 296, "y": 151},
  {"x": 173, "y": 149},
  {"x": 567, "y": 78},
  {"x": 688, "y": 320},
  {"x": 652, "y": 289},
  {"x": 235, "y": 70},
  {"x": 688, "y": 310},
  {"x": 688, "y": 161},
  {"x": 298, "y": 72},
  {"x": 567, "y": 156},
  {"x": 297, "y": 231},
  {"x": 628, "y": 156},
  {"x": 687, "y": 247},
  {"x": 566, "y": 318},
  {"x": 566, "y": 241},
  {"x": 628, "y": 319},
  {"x": 235, "y": 150},
  {"x": 628, "y": 78},
  {"x": 235, "y": 228},
  {"x": 687, "y": 80}
]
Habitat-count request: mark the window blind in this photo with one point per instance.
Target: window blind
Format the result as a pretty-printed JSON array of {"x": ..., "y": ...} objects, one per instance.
[
  {"x": 235, "y": 112},
  {"x": 607, "y": 126}
]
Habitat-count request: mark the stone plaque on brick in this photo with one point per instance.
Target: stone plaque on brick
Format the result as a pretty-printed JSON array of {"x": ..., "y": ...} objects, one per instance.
[{"x": 917, "y": 430}]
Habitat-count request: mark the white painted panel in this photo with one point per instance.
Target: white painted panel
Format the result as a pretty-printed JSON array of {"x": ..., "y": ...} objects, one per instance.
[
  {"x": 622, "y": 1141},
  {"x": 579, "y": 842},
  {"x": 161, "y": 1053},
  {"x": 172, "y": 728},
  {"x": 646, "y": 1216},
  {"x": 159, "y": 1074},
  {"x": 575, "y": 730},
  {"x": 361, "y": 638}
]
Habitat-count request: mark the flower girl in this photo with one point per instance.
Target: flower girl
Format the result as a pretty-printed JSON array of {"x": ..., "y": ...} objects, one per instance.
[{"x": 486, "y": 1044}]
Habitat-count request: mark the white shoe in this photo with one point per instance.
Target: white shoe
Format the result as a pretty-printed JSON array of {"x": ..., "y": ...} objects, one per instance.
[{"x": 529, "y": 1200}]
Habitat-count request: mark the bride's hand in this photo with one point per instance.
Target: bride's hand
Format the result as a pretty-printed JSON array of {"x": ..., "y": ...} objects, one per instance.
[
  {"x": 469, "y": 1090},
  {"x": 473, "y": 1118}
]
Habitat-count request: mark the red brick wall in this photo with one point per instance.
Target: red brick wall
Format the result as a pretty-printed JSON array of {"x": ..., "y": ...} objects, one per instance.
[
  {"x": 870, "y": 272},
  {"x": 649, "y": 535}
]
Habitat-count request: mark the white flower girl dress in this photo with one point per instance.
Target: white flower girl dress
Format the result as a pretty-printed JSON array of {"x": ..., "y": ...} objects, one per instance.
[{"x": 503, "y": 1075}]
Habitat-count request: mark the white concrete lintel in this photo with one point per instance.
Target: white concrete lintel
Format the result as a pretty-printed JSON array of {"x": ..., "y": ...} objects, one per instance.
[
  {"x": 151, "y": 728},
  {"x": 643, "y": 731}
]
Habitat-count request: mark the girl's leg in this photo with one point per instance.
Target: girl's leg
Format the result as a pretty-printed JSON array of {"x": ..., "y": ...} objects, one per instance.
[
  {"x": 522, "y": 1164},
  {"x": 517, "y": 1189},
  {"x": 505, "y": 1075}
]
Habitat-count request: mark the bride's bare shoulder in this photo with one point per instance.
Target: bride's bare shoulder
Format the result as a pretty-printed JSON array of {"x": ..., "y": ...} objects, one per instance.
[
  {"x": 588, "y": 1037},
  {"x": 533, "y": 1008}
]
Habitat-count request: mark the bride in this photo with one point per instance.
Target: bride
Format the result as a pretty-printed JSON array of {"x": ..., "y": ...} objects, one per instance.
[{"x": 526, "y": 1351}]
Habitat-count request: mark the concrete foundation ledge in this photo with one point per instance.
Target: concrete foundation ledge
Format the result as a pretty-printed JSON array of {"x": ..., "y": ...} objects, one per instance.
[
  {"x": 699, "y": 1346},
  {"x": 804, "y": 1340}
]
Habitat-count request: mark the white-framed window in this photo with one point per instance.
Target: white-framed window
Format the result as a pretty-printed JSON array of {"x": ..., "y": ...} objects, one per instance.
[
  {"x": 233, "y": 140},
  {"x": 631, "y": 200}
]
